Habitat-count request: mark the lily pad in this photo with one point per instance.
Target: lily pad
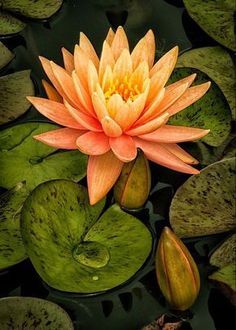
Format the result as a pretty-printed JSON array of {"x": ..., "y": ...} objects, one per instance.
[
  {"x": 225, "y": 253},
  {"x": 210, "y": 112},
  {"x": 218, "y": 65},
  {"x": 13, "y": 91},
  {"x": 12, "y": 249},
  {"x": 10, "y": 24},
  {"x": 40, "y": 9},
  {"x": 5, "y": 55},
  {"x": 216, "y": 18},
  {"x": 205, "y": 203},
  {"x": 73, "y": 249},
  {"x": 32, "y": 313},
  {"x": 22, "y": 158}
]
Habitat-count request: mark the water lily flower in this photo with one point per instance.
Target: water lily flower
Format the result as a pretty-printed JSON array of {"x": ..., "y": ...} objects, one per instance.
[{"x": 112, "y": 106}]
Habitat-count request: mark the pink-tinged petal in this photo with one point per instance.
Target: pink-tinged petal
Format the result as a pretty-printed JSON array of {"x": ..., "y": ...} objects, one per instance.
[
  {"x": 123, "y": 148},
  {"x": 180, "y": 153},
  {"x": 114, "y": 105},
  {"x": 102, "y": 173},
  {"x": 107, "y": 78},
  {"x": 149, "y": 126},
  {"x": 99, "y": 106},
  {"x": 81, "y": 65},
  {"x": 55, "y": 111},
  {"x": 190, "y": 96},
  {"x": 110, "y": 36},
  {"x": 140, "y": 74},
  {"x": 88, "y": 49},
  {"x": 92, "y": 77},
  {"x": 110, "y": 127},
  {"x": 187, "y": 80},
  {"x": 51, "y": 92},
  {"x": 88, "y": 122},
  {"x": 160, "y": 155},
  {"x": 123, "y": 66},
  {"x": 119, "y": 42},
  {"x": 92, "y": 143},
  {"x": 68, "y": 60},
  {"x": 170, "y": 56},
  {"x": 107, "y": 58},
  {"x": 140, "y": 53},
  {"x": 62, "y": 138},
  {"x": 175, "y": 134},
  {"x": 151, "y": 45}
]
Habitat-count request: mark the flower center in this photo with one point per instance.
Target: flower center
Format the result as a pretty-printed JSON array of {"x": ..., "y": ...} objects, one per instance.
[{"x": 125, "y": 88}]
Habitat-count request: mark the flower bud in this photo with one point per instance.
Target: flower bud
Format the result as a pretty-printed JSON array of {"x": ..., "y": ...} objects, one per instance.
[
  {"x": 177, "y": 273},
  {"x": 133, "y": 186}
]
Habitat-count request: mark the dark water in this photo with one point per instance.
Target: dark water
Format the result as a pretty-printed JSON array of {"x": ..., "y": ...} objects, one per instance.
[{"x": 139, "y": 301}]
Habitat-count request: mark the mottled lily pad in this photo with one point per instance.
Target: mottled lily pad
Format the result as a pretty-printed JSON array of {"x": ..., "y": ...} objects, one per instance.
[
  {"x": 5, "y": 55},
  {"x": 10, "y": 24},
  {"x": 22, "y": 158},
  {"x": 216, "y": 18},
  {"x": 225, "y": 253},
  {"x": 210, "y": 112},
  {"x": 32, "y": 313},
  {"x": 73, "y": 250},
  {"x": 218, "y": 65},
  {"x": 205, "y": 203},
  {"x": 13, "y": 91},
  {"x": 12, "y": 249},
  {"x": 40, "y": 9}
]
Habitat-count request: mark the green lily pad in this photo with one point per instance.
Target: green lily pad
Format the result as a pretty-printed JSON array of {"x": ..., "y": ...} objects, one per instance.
[
  {"x": 226, "y": 280},
  {"x": 40, "y": 9},
  {"x": 32, "y": 313},
  {"x": 10, "y": 24},
  {"x": 5, "y": 55},
  {"x": 210, "y": 112},
  {"x": 12, "y": 249},
  {"x": 22, "y": 158},
  {"x": 205, "y": 203},
  {"x": 225, "y": 253},
  {"x": 216, "y": 18},
  {"x": 218, "y": 65},
  {"x": 73, "y": 250},
  {"x": 13, "y": 91}
]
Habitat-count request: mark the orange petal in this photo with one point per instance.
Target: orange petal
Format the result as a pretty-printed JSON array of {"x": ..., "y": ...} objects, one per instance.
[
  {"x": 92, "y": 143},
  {"x": 140, "y": 53},
  {"x": 114, "y": 105},
  {"x": 51, "y": 92},
  {"x": 107, "y": 78},
  {"x": 180, "y": 153},
  {"x": 99, "y": 106},
  {"x": 123, "y": 66},
  {"x": 175, "y": 134},
  {"x": 140, "y": 74},
  {"x": 55, "y": 111},
  {"x": 88, "y": 49},
  {"x": 160, "y": 155},
  {"x": 92, "y": 77},
  {"x": 107, "y": 58},
  {"x": 86, "y": 121},
  {"x": 110, "y": 36},
  {"x": 150, "y": 39},
  {"x": 102, "y": 173},
  {"x": 81, "y": 65},
  {"x": 68, "y": 60},
  {"x": 170, "y": 57},
  {"x": 191, "y": 95},
  {"x": 119, "y": 42},
  {"x": 62, "y": 138},
  {"x": 149, "y": 126},
  {"x": 110, "y": 127},
  {"x": 123, "y": 147},
  {"x": 187, "y": 80}
]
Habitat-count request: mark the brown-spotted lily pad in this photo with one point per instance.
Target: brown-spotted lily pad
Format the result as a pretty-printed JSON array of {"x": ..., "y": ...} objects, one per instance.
[
  {"x": 205, "y": 203},
  {"x": 225, "y": 253},
  {"x": 22, "y": 158},
  {"x": 75, "y": 250},
  {"x": 12, "y": 249},
  {"x": 5, "y": 55},
  {"x": 218, "y": 65},
  {"x": 9, "y": 24},
  {"x": 32, "y": 314},
  {"x": 216, "y": 18},
  {"x": 13, "y": 91}
]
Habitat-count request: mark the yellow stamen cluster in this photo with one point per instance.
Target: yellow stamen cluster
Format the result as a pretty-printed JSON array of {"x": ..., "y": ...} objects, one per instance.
[{"x": 125, "y": 88}]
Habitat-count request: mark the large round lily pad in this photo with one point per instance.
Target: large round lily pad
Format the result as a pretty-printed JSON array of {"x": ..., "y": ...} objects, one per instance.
[
  {"x": 216, "y": 18},
  {"x": 218, "y": 65},
  {"x": 22, "y": 158},
  {"x": 225, "y": 253},
  {"x": 205, "y": 203},
  {"x": 73, "y": 250},
  {"x": 12, "y": 249},
  {"x": 10, "y": 24},
  {"x": 32, "y": 314},
  {"x": 5, "y": 55},
  {"x": 13, "y": 91},
  {"x": 210, "y": 112}
]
